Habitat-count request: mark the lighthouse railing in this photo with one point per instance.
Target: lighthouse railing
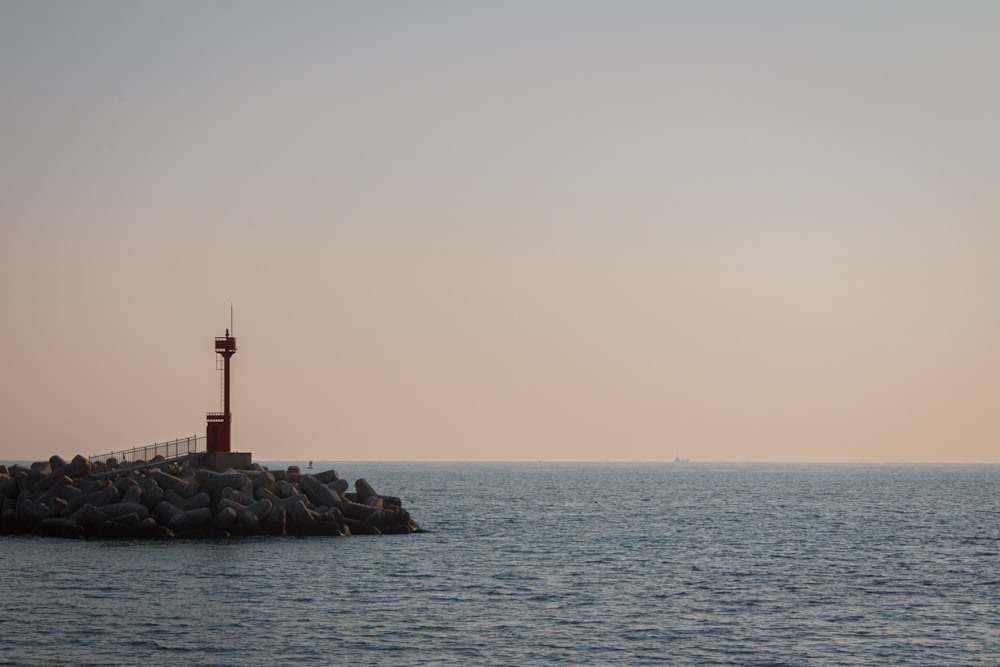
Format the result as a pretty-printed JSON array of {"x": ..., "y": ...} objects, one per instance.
[{"x": 172, "y": 449}]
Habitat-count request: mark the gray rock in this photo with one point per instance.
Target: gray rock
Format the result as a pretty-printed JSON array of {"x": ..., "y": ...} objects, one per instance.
[
  {"x": 364, "y": 490},
  {"x": 327, "y": 476},
  {"x": 318, "y": 492},
  {"x": 106, "y": 496},
  {"x": 222, "y": 519},
  {"x": 200, "y": 499},
  {"x": 182, "y": 487},
  {"x": 217, "y": 481}
]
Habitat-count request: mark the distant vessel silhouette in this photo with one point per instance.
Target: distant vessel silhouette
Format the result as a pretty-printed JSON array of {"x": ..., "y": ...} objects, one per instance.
[{"x": 678, "y": 459}]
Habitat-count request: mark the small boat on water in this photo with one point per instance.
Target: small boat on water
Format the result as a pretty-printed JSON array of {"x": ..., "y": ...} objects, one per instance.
[{"x": 310, "y": 466}]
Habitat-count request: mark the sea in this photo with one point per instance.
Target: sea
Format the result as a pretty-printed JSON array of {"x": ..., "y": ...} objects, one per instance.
[{"x": 549, "y": 564}]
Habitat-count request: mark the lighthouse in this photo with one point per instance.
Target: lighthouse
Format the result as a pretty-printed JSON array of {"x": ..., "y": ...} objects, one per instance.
[
  {"x": 220, "y": 424},
  {"x": 219, "y": 429}
]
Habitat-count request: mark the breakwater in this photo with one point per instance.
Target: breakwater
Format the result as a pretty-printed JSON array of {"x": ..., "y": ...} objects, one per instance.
[{"x": 83, "y": 499}]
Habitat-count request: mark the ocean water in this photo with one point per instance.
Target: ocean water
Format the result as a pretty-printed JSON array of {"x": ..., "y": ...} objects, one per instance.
[{"x": 544, "y": 564}]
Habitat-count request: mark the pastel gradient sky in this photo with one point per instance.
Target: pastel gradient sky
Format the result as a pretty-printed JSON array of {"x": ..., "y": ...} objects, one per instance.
[{"x": 547, "y": 230}]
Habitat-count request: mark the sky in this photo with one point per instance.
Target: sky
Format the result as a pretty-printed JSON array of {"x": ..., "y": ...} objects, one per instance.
[{"x": 546, "y": 230}]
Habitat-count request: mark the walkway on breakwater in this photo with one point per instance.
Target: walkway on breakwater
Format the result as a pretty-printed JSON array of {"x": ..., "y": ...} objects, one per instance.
[{"x": 181, "y": 450}]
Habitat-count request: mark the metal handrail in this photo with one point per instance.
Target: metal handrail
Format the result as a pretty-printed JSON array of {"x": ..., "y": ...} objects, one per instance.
[{"x": 169, "y": 450}]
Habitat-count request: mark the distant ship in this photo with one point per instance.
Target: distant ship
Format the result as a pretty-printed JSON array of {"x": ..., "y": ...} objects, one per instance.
[
  {"x": 678, "y": 459},
  {"x": 310, "y": 466}
]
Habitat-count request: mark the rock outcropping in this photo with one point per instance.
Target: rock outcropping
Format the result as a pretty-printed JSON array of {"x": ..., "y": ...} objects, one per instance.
[{"x": 80, "y": 499}]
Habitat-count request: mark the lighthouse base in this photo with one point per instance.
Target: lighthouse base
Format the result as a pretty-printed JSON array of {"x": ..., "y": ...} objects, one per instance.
[{"x": 222, "y": 461}]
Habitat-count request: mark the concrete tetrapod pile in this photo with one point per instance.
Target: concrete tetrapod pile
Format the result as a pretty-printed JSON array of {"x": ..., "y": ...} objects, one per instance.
[{"x": 80, "y": 499}]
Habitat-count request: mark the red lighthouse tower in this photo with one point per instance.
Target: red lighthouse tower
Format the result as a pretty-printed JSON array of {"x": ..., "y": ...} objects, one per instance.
[{"x": 219, "y": 428}]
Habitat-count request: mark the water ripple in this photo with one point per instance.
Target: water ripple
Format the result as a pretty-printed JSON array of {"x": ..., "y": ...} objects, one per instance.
[{"x": 689, "y": 565}]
